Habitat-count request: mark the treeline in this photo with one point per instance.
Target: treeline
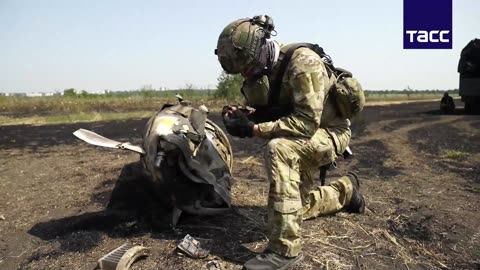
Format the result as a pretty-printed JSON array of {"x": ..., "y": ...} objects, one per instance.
[
  {"x": 228, "y": 87},
  {"x": 71, "y": 92},
  {"x": 225, "y": 92},
  {"x": 410, "y": 92}
]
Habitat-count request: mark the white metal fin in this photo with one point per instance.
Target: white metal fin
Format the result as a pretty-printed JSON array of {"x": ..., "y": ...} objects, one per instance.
[{"x": 95, "y": 139}]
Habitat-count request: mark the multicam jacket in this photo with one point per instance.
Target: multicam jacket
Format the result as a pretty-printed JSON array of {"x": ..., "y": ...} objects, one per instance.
[{"x": 306, "y": 84}]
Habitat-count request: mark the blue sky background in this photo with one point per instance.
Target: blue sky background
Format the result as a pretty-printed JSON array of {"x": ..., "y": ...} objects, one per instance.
[{"x": 95, "y": 45}]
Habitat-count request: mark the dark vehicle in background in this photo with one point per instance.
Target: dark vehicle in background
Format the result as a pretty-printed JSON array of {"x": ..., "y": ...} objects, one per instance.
[{"x": 469, "y": 69}]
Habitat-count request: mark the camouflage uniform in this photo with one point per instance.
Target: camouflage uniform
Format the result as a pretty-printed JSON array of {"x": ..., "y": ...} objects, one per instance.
[{"x": 312, "y": 136}]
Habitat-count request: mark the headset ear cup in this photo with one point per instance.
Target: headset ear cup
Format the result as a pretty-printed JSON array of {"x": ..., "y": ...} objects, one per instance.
[
  {"x": 256, "y": 45},
  {"x": 266, "y": 22},
  {"x": 270, "y": 24}
]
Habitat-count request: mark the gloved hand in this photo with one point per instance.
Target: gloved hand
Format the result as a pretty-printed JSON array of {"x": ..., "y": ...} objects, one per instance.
[
  {"x": 229, "y": 110},
  {"x": 237, "y": 123},
  {"x": 247, "y": 110}
]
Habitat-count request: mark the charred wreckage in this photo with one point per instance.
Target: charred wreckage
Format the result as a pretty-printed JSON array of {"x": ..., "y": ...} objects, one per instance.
[{"x": 186, "y": 156}]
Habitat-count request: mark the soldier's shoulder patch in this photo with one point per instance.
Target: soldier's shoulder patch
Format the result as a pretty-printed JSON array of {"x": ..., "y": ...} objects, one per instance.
[{"x": 304, "y": 60}]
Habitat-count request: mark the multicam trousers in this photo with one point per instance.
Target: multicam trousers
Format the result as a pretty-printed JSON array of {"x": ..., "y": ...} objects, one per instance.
[{"x": 294, "y": 196}]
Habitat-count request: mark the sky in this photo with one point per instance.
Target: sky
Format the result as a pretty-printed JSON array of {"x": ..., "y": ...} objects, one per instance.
[{"x": 52, "y": 45}]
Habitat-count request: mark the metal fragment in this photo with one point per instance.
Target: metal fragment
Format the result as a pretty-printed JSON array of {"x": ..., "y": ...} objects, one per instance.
[
  {"x": 122, "y": 257},
  {"x": 195, "y": 248}
]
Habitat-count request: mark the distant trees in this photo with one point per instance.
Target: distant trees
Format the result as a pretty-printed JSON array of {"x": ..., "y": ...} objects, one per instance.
[
  {"x": 70, "y": 92},
  {"x": 228, "y": 85}
]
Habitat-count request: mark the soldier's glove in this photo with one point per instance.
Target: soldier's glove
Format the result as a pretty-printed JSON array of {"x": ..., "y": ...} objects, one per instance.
[
  {"x": 247, "y": 110},
  {"x": 237, "y": 124}
]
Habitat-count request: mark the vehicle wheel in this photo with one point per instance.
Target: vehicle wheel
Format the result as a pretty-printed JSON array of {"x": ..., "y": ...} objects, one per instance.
[
  {"x": 475, "y": 106},
  {"x": 468, "y": 106}
]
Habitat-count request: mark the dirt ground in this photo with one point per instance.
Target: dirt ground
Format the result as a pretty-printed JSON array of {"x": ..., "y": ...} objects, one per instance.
[{"x": 62, "y": 201}]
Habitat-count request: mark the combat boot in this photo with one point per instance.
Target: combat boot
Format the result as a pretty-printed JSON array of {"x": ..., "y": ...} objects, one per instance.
[
  {"x": 271, "y": 261},
  {"x": 357, "y": 202}
]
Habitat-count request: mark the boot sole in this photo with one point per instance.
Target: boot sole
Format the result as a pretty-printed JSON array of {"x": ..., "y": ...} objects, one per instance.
[
  {"x": 289, "y": 264},
  {"x": 297, "y": 259}
]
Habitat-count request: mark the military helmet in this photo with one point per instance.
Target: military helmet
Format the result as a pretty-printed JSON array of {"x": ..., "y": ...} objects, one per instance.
[
  {"x": 349, "y": 97},
  {"x": 240, "y": 42}
]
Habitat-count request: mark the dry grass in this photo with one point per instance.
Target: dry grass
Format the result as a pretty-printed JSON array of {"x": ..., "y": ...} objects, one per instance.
[
  {"x": 402, "y": 101},
  {"x": 72, "y": 118},
  {"x": 39, "y": 110},
  {"x": 392, "y": 97},
  {"x": 56, "y": 110},
  {"x": 351, "y": 244},
  {"x": 252, "y": 160},
  {"x": 454, "y": 154},
  {"x": 346, "y": 245},
  {"x": 39, "y": 106}
]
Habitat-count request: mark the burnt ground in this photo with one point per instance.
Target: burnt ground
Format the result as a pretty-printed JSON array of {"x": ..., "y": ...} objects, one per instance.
[{"x": 64, "y": 204}]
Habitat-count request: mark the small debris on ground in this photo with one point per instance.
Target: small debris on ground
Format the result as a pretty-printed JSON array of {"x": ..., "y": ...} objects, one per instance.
[
  {"x": 122, "y": 257},
  {"x": 197, "y": 248},
  {"x": 213, "y": 265}
]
